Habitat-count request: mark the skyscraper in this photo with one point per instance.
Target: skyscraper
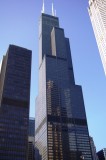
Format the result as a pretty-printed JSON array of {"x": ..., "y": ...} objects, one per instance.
[
  {"x": 31, "y": 139},
  {"x": 31, "y": 127},
  {"x": 61, "y": 124},
  {"x": 97, "y": 13},
  {"x": 102, "y": 154},
  {"x": 14, "y": 103}
]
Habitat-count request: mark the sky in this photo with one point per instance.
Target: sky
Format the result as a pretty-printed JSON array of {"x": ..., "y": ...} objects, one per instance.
[{"x": 19, "y": 25}]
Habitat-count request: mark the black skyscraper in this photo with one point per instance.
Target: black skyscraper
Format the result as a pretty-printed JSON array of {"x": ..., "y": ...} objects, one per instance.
[
  {"x": 102, "y": 154},
  {"x": 14, "y": 103},
  {"x": 61, "y": 125}
]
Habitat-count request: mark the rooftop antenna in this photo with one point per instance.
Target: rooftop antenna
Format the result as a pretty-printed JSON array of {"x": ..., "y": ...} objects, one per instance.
[
  {"x": 53, "y": 14},
  {"x": 43, "y": 7}
]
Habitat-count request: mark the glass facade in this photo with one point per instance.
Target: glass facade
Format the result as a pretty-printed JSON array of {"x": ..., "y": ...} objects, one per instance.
[
  {"x": 15, "y": 98},
  {"x": 61, "y": 125}
]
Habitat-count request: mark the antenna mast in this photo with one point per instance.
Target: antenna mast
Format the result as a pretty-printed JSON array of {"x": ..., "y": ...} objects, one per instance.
[
  {"x": 43, "y": 7},
  {"x": 53, "y": 13}
]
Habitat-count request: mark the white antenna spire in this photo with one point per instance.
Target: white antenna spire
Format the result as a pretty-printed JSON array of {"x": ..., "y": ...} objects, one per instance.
[
  {"x": 43, "y": 7},
  {"x": 53, "y": 14}
]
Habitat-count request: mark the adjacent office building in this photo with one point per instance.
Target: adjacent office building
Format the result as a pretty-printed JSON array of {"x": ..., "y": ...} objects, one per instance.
[
  {"x": 102, "y": 154},
  {"x": 97, "y": 13},
  {"x": 31, "y": 127},
  {"x": 15, "y": 78},
  {"x": 31, "y": 139},
  {"x": 61, "y": 125}
]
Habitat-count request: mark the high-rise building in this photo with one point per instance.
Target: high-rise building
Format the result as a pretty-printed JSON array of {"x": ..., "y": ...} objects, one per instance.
[
  {"x": 15, "y": 78},
  {"x": 93, "y": 148},
  {"x": 97, "y": 13},
  {"x": 31, "y": 127},
  {"x": 61, "y": 125},
  {"x": 102, "y": 154},
  {"x": 31, "y": 139}
]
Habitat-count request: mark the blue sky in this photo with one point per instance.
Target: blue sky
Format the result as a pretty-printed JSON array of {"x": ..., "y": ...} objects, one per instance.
[{"x": 19, "y": 26}]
